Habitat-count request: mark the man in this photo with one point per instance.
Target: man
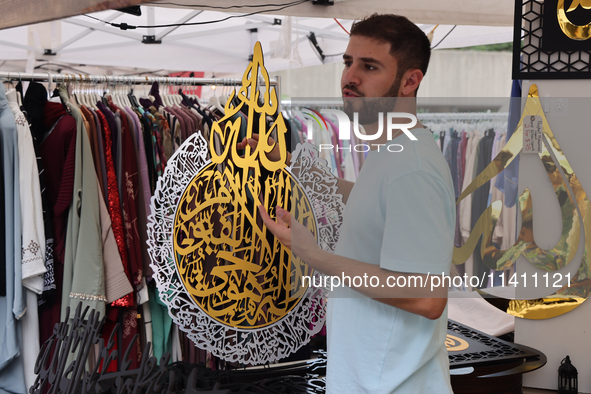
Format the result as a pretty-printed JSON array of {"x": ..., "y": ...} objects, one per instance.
[{"x": 399, "y": 223}]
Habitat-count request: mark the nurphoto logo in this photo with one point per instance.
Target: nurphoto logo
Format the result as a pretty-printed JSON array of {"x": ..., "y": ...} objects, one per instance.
[{"x": 344, "y": 129}]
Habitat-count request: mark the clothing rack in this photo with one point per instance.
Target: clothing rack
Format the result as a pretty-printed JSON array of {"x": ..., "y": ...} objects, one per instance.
[
  {"x": 125, "y": 79},
  {"x": 463, "y": 116}
]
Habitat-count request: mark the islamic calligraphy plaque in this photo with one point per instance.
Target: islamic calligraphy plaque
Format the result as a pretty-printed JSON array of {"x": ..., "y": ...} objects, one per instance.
[
  {"x": 576, "y": 222},
  {"x": 228, "y": 283},
  {"x": 226, "y": 263}
]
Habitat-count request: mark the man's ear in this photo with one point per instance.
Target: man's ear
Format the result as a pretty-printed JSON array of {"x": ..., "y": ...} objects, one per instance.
[{"x": 410, "y": 82}]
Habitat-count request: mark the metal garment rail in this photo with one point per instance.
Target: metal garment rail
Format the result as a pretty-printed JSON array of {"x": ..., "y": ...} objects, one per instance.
[
  {"x": 462, "y": 116},
  {"x": 124, "y": 79}
]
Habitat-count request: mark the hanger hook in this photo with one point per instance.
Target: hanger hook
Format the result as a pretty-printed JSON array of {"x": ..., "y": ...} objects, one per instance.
[{"x": 49, "y": 83}]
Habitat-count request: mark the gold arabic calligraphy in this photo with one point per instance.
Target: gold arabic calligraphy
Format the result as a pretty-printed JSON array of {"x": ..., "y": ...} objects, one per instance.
[
  {"x": 564, "y": 251},
  {"x": 231, "y": 266}
]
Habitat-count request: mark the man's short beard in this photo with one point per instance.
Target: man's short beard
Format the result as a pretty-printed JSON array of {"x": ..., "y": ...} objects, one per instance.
[{"x": 369, "y": 107}]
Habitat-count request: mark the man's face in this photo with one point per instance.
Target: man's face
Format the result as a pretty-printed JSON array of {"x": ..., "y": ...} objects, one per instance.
[{"x": 370, "y": 72}]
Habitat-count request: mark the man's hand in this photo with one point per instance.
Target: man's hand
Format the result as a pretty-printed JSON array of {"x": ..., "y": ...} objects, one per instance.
[
  {"x": 273, "y": 155},
  {"x": 291, "y": 233}
]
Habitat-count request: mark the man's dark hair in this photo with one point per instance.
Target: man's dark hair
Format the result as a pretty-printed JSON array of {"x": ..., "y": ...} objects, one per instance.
[{"x": 408, "y": 44}]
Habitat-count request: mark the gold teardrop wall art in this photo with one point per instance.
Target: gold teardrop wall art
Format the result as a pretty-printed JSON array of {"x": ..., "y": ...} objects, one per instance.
[
  {"x": 575, "y": 209},
  {"x": 228, "y": 283}
]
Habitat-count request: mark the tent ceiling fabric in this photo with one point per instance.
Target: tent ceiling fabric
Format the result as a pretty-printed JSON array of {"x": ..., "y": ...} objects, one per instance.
[
  {"x": 18, "y": 12},
  {"x": 222, "y": 47},
  {"x": 445, "y": 12}
]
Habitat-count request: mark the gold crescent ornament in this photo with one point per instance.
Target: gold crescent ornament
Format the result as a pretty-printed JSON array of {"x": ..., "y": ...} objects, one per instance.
[{"x": 572, "y": 31}]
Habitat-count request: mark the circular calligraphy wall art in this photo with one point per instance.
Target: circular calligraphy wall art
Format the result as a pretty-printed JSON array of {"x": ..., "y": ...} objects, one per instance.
[{"x": 227, "y": 282}]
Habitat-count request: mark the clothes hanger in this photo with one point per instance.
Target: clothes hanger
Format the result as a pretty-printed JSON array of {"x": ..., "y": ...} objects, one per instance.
[
  {"x": 162, "y": 91},
  {"x": 223, "y": 95},
  {"x": 105, "y": 91},
  {"x": 114, "y": 97},
  {"x": 72, "y": 88},
  {"x": 82, "y": 90},
  {"x": 174, "y": 95},
  {"x": 19, "y": 98},
  {"x": 89, "y": 93},
  {"x": 117, "y": 92},
  {"x": 77, "y": 90},
  {"x": 133, "y": 98},
  {"x": 215, "y": 100},
  {"x": 124, "y": 97},
  {"x": 145, "y": 96},
  {"x": 130, "y": 94},
  {"x": 171, "y": 93},
  {"x": 96, "y": 92},
  {"x": 178, "y": 96},
  {"x": 169, "y": 98},
  {"x": 11, "y": 93}
]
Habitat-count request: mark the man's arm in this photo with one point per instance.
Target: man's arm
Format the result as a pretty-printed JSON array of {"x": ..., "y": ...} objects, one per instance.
[{"x": 425, "y": 301}]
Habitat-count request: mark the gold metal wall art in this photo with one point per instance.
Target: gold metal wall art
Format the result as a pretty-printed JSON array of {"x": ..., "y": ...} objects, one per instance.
[
  {"x": 571, "y": 30},
  {"x": 455, "y": 344},
  {"x": 228, "y": 283},
  {"x": 575, "y": 209}
]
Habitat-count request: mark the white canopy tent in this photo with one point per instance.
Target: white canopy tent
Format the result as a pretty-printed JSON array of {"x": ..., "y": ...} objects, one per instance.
[
  {"x": 224, "y": 47},
  {"x": 450, "y": 12}
]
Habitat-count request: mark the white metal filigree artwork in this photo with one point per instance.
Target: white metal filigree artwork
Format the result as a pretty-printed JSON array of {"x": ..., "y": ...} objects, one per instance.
[{"x": 227, "y": 282}]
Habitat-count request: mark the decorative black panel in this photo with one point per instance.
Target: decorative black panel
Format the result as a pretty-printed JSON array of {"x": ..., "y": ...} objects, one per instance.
[
  {"x": 482, "y": 348},
  {"x": 546, "y": 52}
]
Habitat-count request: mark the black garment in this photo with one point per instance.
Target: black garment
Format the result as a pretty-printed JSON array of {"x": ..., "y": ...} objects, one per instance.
[
  {"x": 154, "y": 92},
  {"x": 49, "y": 286},
  {"x": 480, "y": 198},
  {"x": 149, "y": 148},
  {"x": 34, "y": 104}
]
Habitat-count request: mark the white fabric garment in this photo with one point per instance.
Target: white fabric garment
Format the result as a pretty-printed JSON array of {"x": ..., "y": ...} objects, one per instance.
[
  {"x": 116, "y": 283},
  {"x": 31, "y": 345},
  {"x": 33, "y": 230},
  {"x": 33, "y": 238}
]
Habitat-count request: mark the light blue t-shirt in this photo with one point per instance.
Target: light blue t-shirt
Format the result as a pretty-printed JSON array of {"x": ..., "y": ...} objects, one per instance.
[{"x": 400, "y": 215}]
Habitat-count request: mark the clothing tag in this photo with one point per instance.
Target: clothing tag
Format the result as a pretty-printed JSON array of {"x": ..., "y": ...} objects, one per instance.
[{"x": 532, "y": 134}]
